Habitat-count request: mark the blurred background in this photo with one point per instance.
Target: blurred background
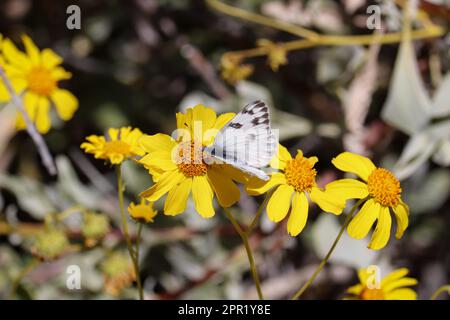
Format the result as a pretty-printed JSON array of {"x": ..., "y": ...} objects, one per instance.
[{"x": 138, "y": 62}]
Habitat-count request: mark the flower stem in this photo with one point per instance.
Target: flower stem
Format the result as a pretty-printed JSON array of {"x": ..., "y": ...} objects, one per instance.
[
  {"x": 28, "y": 267},
  {"x": 442, "y": 289},
  {"x": 258, "y": 214},
  {"x": 248, "y": 249},
  {"x": 333, "y": 246},
  {"x": 126, "y": 235}
]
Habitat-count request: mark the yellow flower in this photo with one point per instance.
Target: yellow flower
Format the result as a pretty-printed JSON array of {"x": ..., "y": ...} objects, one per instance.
[
  {"x": 35, "y": 75},
  {"x": 391, "y": 287},
  {"x": 383, "y": 191},
  {"x": 292, "y": 185},
  {"x": 120, "y": 145},
  {"x": 276, "y": 56},
  {"x": 178, "y": 167},
  {"x": 142, "y": 212},
  {"x": 233, "y": 70}
]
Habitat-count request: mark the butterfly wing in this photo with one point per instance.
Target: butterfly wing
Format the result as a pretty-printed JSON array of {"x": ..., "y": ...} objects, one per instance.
[{"x": 247, "y": 142}]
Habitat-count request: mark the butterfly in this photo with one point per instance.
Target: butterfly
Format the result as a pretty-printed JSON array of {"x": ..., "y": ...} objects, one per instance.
[{"x": 247, "y": 141}]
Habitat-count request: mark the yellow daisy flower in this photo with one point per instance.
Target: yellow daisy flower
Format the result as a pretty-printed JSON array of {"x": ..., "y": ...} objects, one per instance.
[
  {"x": 384, "y": 192},
  {"x": 178, "y": 166},
  {"x": 35, "y": 74},
  {"x": 142, "y": 212},
  {"x": 292, "y": 184},
  {"x": 120, "y": 145},
  {"x": 391, "y": 287},
  {"x": 233, "y": 70}
]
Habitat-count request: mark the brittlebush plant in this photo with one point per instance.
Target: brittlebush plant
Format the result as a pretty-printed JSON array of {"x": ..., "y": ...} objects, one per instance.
[{"x": 179, "y": 169}]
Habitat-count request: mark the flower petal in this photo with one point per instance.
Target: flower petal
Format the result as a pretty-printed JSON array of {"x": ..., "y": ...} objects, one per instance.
[
  {"x": 354, "y": 163},
  {"x": 14, "y": 56},
  {"x": 279, "y": 203},
  {"x": 30, "y": 101},
  {"x": 65, "y": 103},
  {"x": 256, "y": 186},
  {"x": 299, "y": 214},
  {"x": 159, "y": 159},
  {"x": 327, "y": 202},
  {"x": 402, "y": 294},
  {"x": 401, "y": 212},
  {"x": 281, "y": 157},
  {"x": 202, "y": 194},
  {"x": 50, "y": 59},
  {"x": 226, "y": 191},
  {"x": 382, "y": 231},
  {"x": 42, "y": 115},
  {"x": 177, "y": 198},
  {"x": 31, "y": 49},
  {"x": 159, "y": 141},
  {"x": 166, "y": 182},
  {"x": 347, "y": 189},
  {"x": 400, "y": 283},
  {"x": 360, "y": 225},
  {"x": 223, "y": 119},
  {"x": 394, "y": 275}
]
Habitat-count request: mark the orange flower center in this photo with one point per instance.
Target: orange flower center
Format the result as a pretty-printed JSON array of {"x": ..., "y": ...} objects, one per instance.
[
  {"x": 117, "y": 147},
  {"x": 40, "y": 81},
  {"x": 384, "y": 187},
  {"x": 300, "y": 174},
  {"x": 371, "y": 294},
  {"x": 190, "y": 159}
]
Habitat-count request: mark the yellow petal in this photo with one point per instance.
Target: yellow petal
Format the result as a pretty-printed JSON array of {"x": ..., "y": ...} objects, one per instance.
[
  {"x": 159, "y": 159},
  {"x": 382, "y": 231},
  {"x": 210, "y": 134},
  {"x": 354, "y": 163},
  {"x": 279, "y": 203},
  {"x": 347, "y": 189},
  {"x": 166, "y": 182},
  {"x": 113, "y": 134},
  {"x": 177, "y": 198},
  {"x": 203, "y": 119},
  {"x": 401, "y": 212},
  {"x": 257, "y": 186},
  {"x": 65, "y": 103},
  {"x": 402, "y": 294},
  {"x": 327, "y": 202},
  {"x": 14, "y": 56},
  {"x": 202, "y": 194},
  {"x": 226, "y": 191},
  {"x": 50, "y": 59},
  {"x": 355, "y": 290},
  {"x": 360, "y": 225},
  {"x": 281, "y": 157},
  {"x": 363, "y": 275},
  {"x": 394, "y": 275},
  {"x": 223, "y": 119},
  {"x": 157, "y": 142},
  {"x": 299, "y": 214},
  {"x": 30, "y": 101},
  {"x": 42, "y": 115},
  {"x": 31, "y": 49},
  {"x": 400, "y": 283}
]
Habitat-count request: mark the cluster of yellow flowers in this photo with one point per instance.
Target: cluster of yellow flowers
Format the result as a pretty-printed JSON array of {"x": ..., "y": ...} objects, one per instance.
[
  {"x": 35, "y": 76},
  {"x": 291, "y": 186}
]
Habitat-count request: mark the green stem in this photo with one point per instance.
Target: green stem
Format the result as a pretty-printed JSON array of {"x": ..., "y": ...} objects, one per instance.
[
  {"x": 126, "y": 235},
  {"x": 138, "y": 241},
  {"x": 251, "y": 260},
  {"x": 28, "y": 267},
  {"x": 442, "y": 289},
  {"x": 258, "y": 214},
  {"x": 325, "y": 260}
]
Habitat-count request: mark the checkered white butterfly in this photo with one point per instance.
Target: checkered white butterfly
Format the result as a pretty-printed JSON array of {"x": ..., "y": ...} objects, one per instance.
[{"x": 247, "y": 141}]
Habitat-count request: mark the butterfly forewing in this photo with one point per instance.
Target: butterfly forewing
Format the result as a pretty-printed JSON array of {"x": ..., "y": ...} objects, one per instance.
[{"x": 247, "y": 141}]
